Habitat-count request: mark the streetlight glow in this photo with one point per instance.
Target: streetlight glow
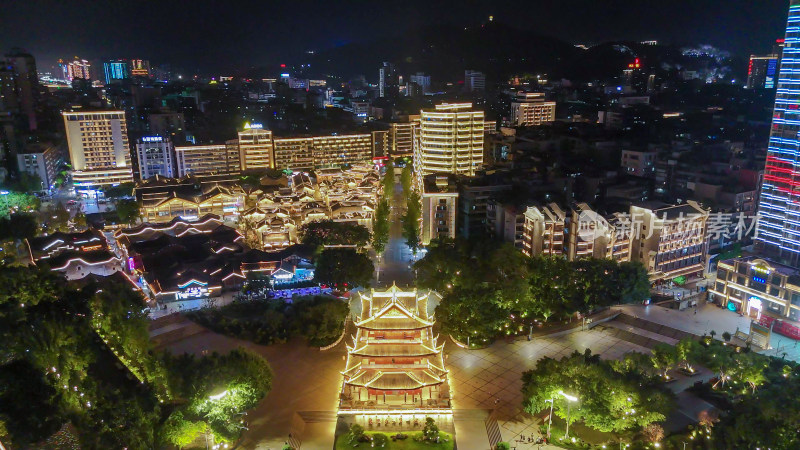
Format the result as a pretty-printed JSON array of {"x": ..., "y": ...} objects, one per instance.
[
  {"x": 568, "y": 397},
  {"x": 218, "y": 396}
]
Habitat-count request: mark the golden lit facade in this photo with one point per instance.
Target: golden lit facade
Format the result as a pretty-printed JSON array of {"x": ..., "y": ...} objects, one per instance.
[
  {"x": 255, "y": 148},
  {"x": 98, "y": 148},
  {"x": 530, "y": 109},
  {"x": 294, "y": 153},
  {"x": 671, "y": 241},
  {"x": 335, "y": 151},
  {"x": 450, "y": 140},
  {"x": 543, "y": 230},
  {"x": 208, "y": 159},
  {"x": 395, "y": 361},
  {"x": 220, "y": 201}
]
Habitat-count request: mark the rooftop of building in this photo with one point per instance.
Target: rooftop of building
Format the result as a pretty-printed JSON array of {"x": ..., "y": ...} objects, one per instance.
[
  {"x": 757, "y": 260},
  {"x": 440, "y": 183},
  {"x": 37, "y": 147}
]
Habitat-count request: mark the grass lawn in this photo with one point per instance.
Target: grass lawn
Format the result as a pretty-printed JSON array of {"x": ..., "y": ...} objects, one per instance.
[{"x": 405, "y": 444}]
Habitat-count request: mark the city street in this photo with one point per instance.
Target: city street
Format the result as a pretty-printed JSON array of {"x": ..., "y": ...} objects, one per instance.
[{"x": 393, "y": 265}]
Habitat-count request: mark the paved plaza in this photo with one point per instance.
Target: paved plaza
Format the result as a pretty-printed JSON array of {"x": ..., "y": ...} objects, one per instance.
[
  {"x": 711, "y": 317},
  {"x": 307, "y": 381}
]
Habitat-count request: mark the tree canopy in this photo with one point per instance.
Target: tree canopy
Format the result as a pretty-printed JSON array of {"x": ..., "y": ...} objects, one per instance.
[
  {"x": 343, "y": 267},
  {"x": 490, "y": 288},
  {"x": 609, "y": 398},
  {"x": 327, "y": 232}
]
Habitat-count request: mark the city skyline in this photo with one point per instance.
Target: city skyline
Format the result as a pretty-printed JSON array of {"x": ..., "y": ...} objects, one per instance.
[{"x": 248, "y": 34}]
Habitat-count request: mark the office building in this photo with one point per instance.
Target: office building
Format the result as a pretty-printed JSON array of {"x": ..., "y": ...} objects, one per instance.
[
  {"x": 450, "y": 140},
  {"x": 208, "y": 159},
  {"x": 98, "y": 148},
  {"x": 255, "y": 147},
  {"x": 543, "y": 230},
  {"x": 670, "y": 241},
  {"x": 474, "y": 81},
  {"x": 140, "y": 68},
  {"x": 78, "y": 68},
  {"x": 40, "y": 159},
  {"x": 156, "y": 156},
  {"x": 762, "y": 71},
  {"x": 777, "y": 235},
  {"x": 530, "y": 109},
  {"x": 116, "y": 70},
  {"x": 26, "y": 84}
]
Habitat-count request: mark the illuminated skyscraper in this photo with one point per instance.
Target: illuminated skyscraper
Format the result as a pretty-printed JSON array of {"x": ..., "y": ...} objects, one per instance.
[
  {"x": 79, "y": 68},
  {"x": 450, "y": 140},
  {"x": 140, "y": 68},
  {"x": 761, "y": 71},
  {"x": 778, "y": 230},
  {"x": 116, "y": 70}
]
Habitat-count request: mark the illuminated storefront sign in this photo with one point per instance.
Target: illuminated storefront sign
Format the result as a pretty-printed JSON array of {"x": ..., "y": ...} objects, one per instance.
[{"x": 192, "y": 292}]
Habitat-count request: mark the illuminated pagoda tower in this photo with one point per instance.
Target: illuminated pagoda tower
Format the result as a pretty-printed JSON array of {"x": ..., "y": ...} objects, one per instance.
[{"x": 395, "y": 361}]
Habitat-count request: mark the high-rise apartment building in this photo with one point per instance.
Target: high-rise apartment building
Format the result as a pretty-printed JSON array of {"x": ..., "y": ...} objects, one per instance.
[
  {"x": 762, "y": 72},
  {"x": 450, "y": 140},
  {"x": 421, "y": 80},
  {"x": 474, "y": 81},
  {"x": 116, "y": 70},
  {"x": 208, "y": 159},
  {"x": 40, "y": 159},
  {"x": 140, "y": 68},
  {"x": 98, "y": 148},
  {"x": 387, "y": 80},
  {"x": 543, "y": 230},
  {"x": 78, "y": 68},
  {"x": 256, "y": 147},
  {"x": 778, "y": 229},
  {"x": 156, "y": 156},
  {"x": 22, "y": 66},
  {"x": 670, "y": 241},
  {"x": 401, "y": 137},
  {"x": 530, "y": 109}
]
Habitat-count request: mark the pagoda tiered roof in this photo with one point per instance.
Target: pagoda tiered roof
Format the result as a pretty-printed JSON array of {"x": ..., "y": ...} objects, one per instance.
[{"x": 407, "y": 356}]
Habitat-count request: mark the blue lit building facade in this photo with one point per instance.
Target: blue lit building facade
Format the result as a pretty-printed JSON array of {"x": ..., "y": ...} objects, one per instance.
[
  {"x": 778, "y": 229},
  {"x": 116, "y": 70}
]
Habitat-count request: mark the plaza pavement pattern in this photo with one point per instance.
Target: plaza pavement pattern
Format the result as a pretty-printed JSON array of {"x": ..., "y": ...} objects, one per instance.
[{"x": 306, "y": 384}]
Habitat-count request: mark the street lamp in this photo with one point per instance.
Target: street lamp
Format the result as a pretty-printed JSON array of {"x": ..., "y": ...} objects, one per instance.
[
  {"x": 570, "y": 399},
  {"x": 549, "y": 418}
]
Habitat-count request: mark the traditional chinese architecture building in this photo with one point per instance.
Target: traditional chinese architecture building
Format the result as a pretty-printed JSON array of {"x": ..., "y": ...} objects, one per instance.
[{"x": 395, "y": 361}]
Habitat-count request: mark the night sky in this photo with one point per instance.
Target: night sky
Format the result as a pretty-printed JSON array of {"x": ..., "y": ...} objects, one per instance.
[{"x": 211, "y": 35}]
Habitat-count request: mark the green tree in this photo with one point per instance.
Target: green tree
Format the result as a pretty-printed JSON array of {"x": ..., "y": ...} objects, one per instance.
[
  {"x": 406, "y": 180},
  {"x": 181, "y": 432},
  {"x": 343, "y": 267},
  {"x": 327, "y": 232},
  {"x": 129, "y": 211},
  {"x": 379, "y": 440},
  {"x": 410, "y": 222},
  {"x": 18, "y": 226},
  {"x": 664, "y": 358},
  {"x": 430, "y": 431},
  {"x": 388, "y": 181},
  {"x": 380, "y": 229}
]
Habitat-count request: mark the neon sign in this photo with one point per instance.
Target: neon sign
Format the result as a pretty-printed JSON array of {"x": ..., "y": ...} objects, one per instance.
[{"x": 192, "y": 292}]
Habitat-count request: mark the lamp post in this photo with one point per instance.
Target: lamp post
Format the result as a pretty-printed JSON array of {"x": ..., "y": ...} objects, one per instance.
[
  {"x": 570, "y": 399},
  {"x": 549, "y": 418}
]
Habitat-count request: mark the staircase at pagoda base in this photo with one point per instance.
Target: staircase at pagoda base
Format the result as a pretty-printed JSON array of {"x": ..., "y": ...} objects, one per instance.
[{"x": 395, "y": 362}]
